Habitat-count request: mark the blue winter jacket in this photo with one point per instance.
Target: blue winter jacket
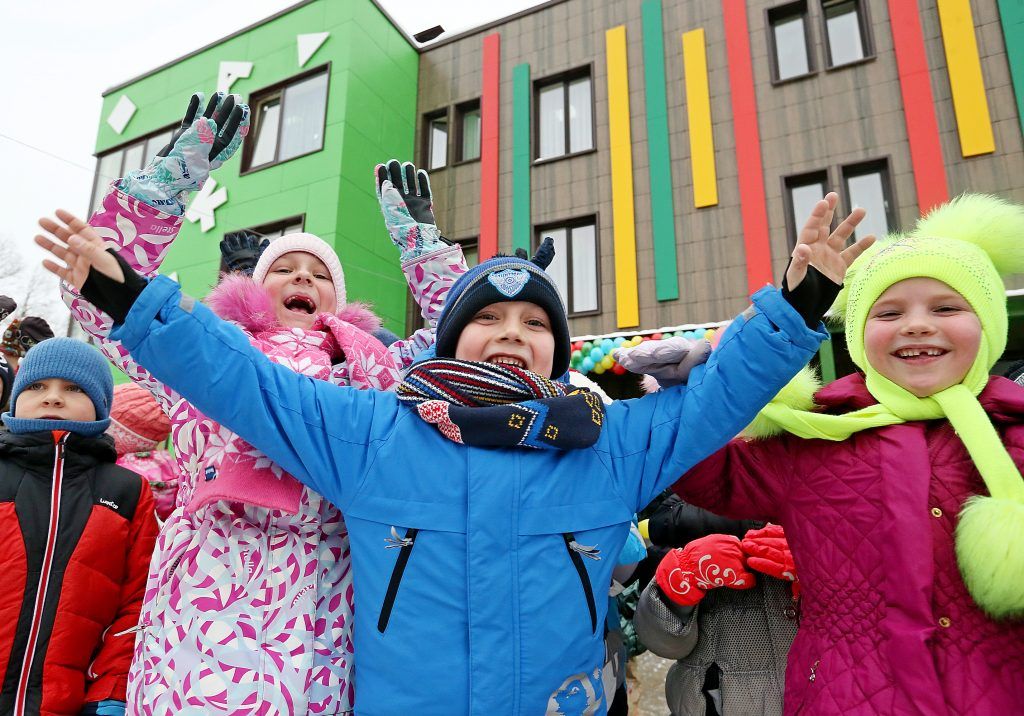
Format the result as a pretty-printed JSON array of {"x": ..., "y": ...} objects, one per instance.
[{"x": 480, "y": 573}]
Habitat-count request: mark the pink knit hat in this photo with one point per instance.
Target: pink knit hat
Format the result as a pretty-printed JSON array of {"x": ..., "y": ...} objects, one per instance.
[
  {"x": 137, "y": 423},
  {"x": 307, "y": 243}
]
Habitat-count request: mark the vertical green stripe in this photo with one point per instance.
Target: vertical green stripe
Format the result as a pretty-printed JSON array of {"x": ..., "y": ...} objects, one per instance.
[
  {"x": 1011, "y": 13},
  {"x": 666, "y": 272},
  {"x": 521, "y": 228},
  {"x": 827, "y": 359}
]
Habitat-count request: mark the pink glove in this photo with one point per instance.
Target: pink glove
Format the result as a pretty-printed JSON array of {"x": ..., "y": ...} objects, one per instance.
[
  {"x": 768, "y": 552},
  {"x": 686, "y": 574}
]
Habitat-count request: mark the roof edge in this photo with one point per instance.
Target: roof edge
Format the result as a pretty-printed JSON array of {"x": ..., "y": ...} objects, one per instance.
[{"x": 488, "y": 26}]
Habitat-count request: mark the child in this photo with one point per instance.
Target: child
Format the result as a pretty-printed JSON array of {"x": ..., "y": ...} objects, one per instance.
[
  {"x": 77, "y": 532},
  {"x": 482, "y": 555},
  {"x": 139, "y": 428},
  {"x": 909, "y": 471},
  {"x": 250, "y": 556},
  {"x": 20, "y": 335}
]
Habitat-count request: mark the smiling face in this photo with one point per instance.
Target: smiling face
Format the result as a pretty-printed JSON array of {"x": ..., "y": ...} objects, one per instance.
[
  {"x": 55, "y": 399},
  {"x": 922, "y": 335},
  {"x": 300, "y": 287},
  {"x": 509, "y": 333}
]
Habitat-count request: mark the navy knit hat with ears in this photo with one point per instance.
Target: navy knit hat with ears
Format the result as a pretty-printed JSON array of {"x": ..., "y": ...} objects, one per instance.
[{"x": 506, "y": 278}]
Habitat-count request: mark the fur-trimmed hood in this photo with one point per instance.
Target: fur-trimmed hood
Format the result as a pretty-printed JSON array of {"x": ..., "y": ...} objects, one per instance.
[{"x": 239, "y": 299}]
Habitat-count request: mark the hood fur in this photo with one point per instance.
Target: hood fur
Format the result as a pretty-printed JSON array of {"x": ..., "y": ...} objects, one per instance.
[{"x": 239, "y": 299}]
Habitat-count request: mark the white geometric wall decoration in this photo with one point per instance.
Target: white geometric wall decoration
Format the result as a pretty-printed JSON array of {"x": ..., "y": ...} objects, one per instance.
[
  {"x": 309, "y": 44},
  {"x": 204, "y": 205},
  {"x": 121, "y": 114},
  {"x": 231, "y": 71}
]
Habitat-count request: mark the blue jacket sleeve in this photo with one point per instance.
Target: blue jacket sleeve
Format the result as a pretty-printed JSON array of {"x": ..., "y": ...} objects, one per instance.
[
  {"x": 319, "y": 432},
  {"x": 653, "y": 440}
]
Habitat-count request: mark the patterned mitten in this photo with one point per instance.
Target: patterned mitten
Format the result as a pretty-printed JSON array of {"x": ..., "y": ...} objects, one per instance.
[
  {"x": 687, "y": 573},
  {"x": 768, "y": 552},
  {"x": 197, "y": 147},
  {"x": 669, "y": 361},
  {"x": 404, "y": 195}
]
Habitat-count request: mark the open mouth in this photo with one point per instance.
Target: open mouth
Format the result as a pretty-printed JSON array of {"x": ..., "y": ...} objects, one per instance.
[
  {"x": 51, "y": 417},
  {"x": 919, "y": 355},
  {"x": 507, "y": 360},
  {"x": 300, "y": 304}
]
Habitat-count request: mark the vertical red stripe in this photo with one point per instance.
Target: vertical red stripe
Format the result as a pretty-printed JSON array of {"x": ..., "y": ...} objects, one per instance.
[
  {"x": 490, "y": 105},
  {"x": 753, "y": 211},
  {"x": 918, "y": 105}
]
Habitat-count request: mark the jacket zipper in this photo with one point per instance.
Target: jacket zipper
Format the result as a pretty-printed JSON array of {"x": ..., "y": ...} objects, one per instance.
[
  {"x": 575, "y": 550},
  {"x": 404, "y": 546},
  {"x": 59, "y": 438}
]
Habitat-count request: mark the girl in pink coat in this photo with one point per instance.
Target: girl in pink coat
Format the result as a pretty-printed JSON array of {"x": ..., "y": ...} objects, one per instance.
[
  {"x": 901, "y": 492},
  {"x": 248, "y": 607}
]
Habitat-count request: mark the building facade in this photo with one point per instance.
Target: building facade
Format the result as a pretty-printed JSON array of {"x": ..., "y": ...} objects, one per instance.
[
  {"x": 332, "y": 88},
  {"x": 672, "y": 148}
]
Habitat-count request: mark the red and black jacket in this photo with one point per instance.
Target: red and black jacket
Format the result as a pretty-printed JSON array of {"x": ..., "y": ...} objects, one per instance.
[{"x": 76, "y": 535}]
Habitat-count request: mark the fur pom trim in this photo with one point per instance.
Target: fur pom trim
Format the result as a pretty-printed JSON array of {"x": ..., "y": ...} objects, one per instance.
[
  {"x": 990, "y": 223},
  {"x": 990, "y": 553},
  {"x": 798, "y": 394},
  {"x": 239, "y": 299}
]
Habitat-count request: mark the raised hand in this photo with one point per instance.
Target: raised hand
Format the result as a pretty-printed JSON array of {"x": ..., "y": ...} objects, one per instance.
[
  {"x": 406, "y": 202},
  {"x": 79, "y": 247},
  {"x": 198, "y": 146},
  {"x": 826, "y": 251},
  {"x": 669, "y": 361},
  {"x": 241, "y": 251},
  {"x": 686, "y": 574}
]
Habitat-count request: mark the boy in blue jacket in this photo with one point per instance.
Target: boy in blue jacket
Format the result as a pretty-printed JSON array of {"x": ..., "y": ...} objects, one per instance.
[{"x": 485, "y": 501}]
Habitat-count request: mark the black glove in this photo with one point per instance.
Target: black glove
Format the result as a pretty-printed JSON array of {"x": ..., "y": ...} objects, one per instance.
[
  {"x": 241, "y": 251},
  {"x": 224, "y": 112},
  {"x": 114, "y": 297},
  {"x": 415, "y": 189},
  {"x": 813, "y": 296}
]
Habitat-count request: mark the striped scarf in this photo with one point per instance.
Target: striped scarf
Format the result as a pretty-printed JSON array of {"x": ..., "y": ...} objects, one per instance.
[{"x": 488, "y": 405}]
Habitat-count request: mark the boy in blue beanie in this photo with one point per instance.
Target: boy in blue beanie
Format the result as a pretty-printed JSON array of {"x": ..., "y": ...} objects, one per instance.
[
  {"x": 485, "y": 500},
  {"x": 77, "y": 532}
]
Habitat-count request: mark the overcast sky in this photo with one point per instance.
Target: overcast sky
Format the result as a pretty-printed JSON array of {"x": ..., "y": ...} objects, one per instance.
[{"x": 59, "y": 55}]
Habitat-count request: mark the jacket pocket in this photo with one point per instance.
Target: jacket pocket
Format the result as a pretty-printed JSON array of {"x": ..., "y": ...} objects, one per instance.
[
  {"x": 577, "y": 553},
  {"x": 404, "y": 546}
]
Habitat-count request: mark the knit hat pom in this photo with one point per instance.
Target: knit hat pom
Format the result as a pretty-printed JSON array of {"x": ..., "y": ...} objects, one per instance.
[
  {"x": 990, "y": 223},
  {"x": 797, "y": 394},
  {"x": 990, "y": 552}
]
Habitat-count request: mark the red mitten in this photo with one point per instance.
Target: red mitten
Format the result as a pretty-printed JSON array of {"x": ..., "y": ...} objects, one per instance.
[
  {"x": 768, "y": 552},
  {"x": 687, "y": 573}
]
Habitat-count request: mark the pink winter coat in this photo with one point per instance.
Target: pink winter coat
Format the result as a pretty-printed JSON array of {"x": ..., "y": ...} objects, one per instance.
[
  {"x": 887, "y": 625},
  {"x": 248, "y": 607}
]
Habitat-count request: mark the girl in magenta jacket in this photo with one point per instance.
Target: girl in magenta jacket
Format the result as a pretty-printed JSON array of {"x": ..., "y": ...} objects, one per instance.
[{"x": 901, "y": 495}]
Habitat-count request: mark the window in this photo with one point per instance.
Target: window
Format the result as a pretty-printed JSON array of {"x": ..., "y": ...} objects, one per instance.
[
  {"x": 118, "y": 162},
  {"x": 575, "y": 267},
  {"x": 470, "y": 251},
  {"x": 789, "y": 42},
  {"x": 802, "y": 192},
  {"x": 565, "y": 122},
  {"x": 868, "y": 185},
  {"x": 467, "y": 123},
  {"x": 287, "y": 121},
  {"x": 273, "y": 230},
  {"x": 846, "y": 32},
  {"x": 436, "y": 129}
]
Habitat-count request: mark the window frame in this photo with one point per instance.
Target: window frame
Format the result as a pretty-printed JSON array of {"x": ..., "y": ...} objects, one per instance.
[
  {"x": 564, "y": 78},
  {"x": 461, "y": 110},
  {"x": 259, "y": 96},
  {"x": 772, "y": 16},
  {"x": 428, "y": 120},
  {"x": 789, "y": 181},
  {"x": 143, "y": 140},
  {"x": 866, "y": 37},
  {"x": 569, "y": 225},
  {"x": 888, "y": 186},
  {"x": 469, "y": 242},
  {"x": 264, "y": 229}
]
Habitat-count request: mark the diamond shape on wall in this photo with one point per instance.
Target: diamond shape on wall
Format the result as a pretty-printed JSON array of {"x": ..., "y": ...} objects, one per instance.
[
  {"x": 204, "y": 205},
  {"x": 122, "y": 113},
  {"x": 309, "y": 44}
]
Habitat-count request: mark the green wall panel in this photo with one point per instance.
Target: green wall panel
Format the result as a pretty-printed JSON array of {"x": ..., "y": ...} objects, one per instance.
[{"x": 1011, "y": 14}]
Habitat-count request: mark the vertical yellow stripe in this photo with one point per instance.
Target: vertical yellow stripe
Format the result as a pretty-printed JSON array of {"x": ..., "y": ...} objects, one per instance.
[
  {"x": 965, "y": 80},
  {"x": 698, "y": 112},
  {"x": 623, "y": 224}
]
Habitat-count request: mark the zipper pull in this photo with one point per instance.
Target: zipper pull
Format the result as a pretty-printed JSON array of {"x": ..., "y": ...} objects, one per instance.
[
  {"x": 814, "y": 667},
  {"x": 590, "y": 552},
  {"x": 134, "y": 629},
  {"x": 396, "y": 542}
]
